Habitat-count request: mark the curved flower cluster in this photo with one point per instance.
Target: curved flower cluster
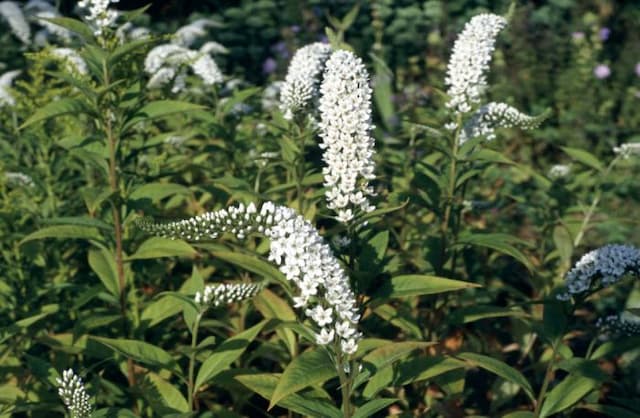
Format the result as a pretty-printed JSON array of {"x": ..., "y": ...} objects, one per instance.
[
  {"x": 558, "y": 171},
  {"x": 619, "y": 325},
  {"x": 6, "y": 80},
  {"x": 99, "y": 15},
  {"x": 11, "y": 12},
  {"x": 345, "y": 128},
  {"x": 300, "y": 87},
  {"x": 301, "y": 255},
  {"x": 72, "y": 60},
  {"x": 472, "y": 52},
  {"x": 166, "y": 63},
  {"x": 607, "y": 265},
  {"x": 188, "y": 34},
  {"x": 225, "y": 293},
  {"x": 628, "y": 149},
  {"x": 493, "y": 115},
  {"x": 17, "y": 179},
  {"x": 73, "y": 394}
]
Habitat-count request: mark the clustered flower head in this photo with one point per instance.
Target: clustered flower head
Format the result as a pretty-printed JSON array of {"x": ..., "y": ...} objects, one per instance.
[
  {"x": 558, "y": 171},
  {"x": 472, "y": 52},
  {"x": 602, "y": 267},
  {"x": 300, "y": 87},
  {"x": 17, "y": 179},
  {"x": 166, "y": 62},
  {"x": 72, "y": 60},
  {"x": 12, "y": 14},
  {"x": 188, "y": 34},
  {"x": 619, "y": 325},
  {"x": 99, "y": 15},
  {"x": 497, "y": 115},
  {"x": 627, "y": 150},
  {"x": 6, "y": 79},
  {"x": 345, "y": 128},
  {"x": 71, "y": 390},
  {"x": 301, "y": 255},
  {"x": 226, "y": 293}
]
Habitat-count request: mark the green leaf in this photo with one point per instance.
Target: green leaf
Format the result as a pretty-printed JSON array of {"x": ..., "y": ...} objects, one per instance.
[
  {"x": 419, "y": 285},
  {"x": 477, "y": 312},
  {"x": 270, "y": 306},
  {"x": 610, "y": 411},
  {"x": 163, "y": 396},
  {"x": 79, "y": 221},
  {"x": 573, "y": 388},
  {"x": 141, "y": 351},
  {"x": 264, "y": 385},
  {"x": 102, "y": 263},
  {"x": 499, "y": 368},
  {"x": 584, "y": 157},
  {"x": 156, "y": 247},
  {"x": 56, "y": 108},
  {"x": 73, "y": 25},
  {"x": 160, "y": 109},
  {"x": 64, "y": 231},
  {"x": 254, "y": 265},
  {"x": 133, "y": 46},
  {"x": 425, "y": 368},
  {"x": 372, "y": 407},
  {"x": 113, "y": 413},
  {"x": 384, "y": 356},
  {"x": 519, "y": 414},
  {"x": 308, "y": 369},
  {"x": 404, "y": 322},
  {"x": 499, "y": 242},
  {"x": 238, "y": 97},
  {"x": 161, "y": 309},
  {"x": 226, "y": 353},
  {"x": 157, "y": 191}
]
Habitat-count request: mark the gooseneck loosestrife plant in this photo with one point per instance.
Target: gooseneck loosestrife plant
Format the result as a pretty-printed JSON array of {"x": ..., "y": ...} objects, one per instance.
[{"x": 311, "y": 280}]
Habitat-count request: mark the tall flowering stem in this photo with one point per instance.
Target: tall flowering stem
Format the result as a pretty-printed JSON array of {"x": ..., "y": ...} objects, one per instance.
[
  {"x": 324, "y": 292},
  {"x": 345, "y": 129}
]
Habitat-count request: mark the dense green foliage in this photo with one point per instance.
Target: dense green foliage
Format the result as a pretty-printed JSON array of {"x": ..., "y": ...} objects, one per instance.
[{"x": 456, "y": 272}]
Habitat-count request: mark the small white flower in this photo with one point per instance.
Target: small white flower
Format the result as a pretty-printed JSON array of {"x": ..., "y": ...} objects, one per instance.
[
  {"x": 497, "y": 115},
  {"x": 99, "y": 16},
  {"x": 73, "y": 60},
  {"x": 349, "y": 346},
  {"x": 325, "y": 337},
  {"x": 321, "y": 316},
  {"x": 558, "y": 171}
]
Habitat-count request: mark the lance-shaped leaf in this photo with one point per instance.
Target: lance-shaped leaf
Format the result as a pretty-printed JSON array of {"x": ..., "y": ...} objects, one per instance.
[{"x": 56, "y": 108}]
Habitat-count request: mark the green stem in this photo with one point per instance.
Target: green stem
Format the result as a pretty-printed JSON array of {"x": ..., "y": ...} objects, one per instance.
[
  {"x": 450, "y": 190},
  {"x": 546, "y": 381},
  {"x": 192, "y": 361},
  {"x": 345, "y": 386}
]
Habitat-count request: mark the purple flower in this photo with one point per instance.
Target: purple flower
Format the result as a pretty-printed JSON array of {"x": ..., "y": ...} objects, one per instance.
[
  {"x": 638, "y": 69},
  {"x": 295, "y": 28},
  {"x": 577, "y": 36},
  {"x": 602, "y": 71},
  {"x": 604, "y": 33},
  {"x": 323, "y": 39},
  {"x": 269, "y": 65},
  {"x": 281, "y": 49}
]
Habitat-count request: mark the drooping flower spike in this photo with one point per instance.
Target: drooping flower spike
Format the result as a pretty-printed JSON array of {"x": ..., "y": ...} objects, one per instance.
[
  {"x": 324, "y": 292},
  {"x": 6, "y": 79},
  {"x": 225, "y": 293},
  {"x": 301, "y": 84},
  {"x": 345, "y": 129},
  {"x": 600, "y": 268},
  {"x": 491, "y": 116},
  {"x": 619, "y": 325},
  {"x": 466, "y": 77},
  {"x": 10, "y": 11},
  {"x": 74, "y": 395}
]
